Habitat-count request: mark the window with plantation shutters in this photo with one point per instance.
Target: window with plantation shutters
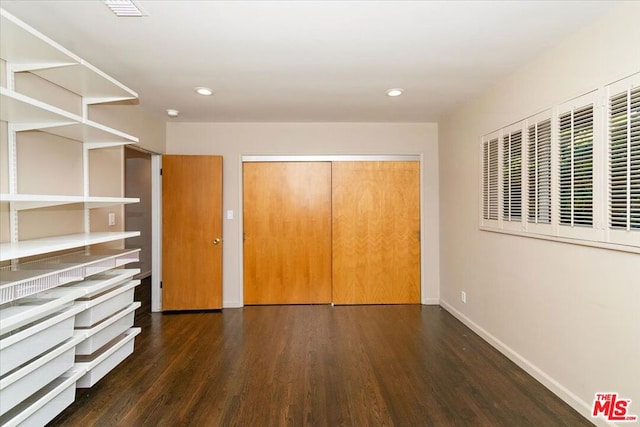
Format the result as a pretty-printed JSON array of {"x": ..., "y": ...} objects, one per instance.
[
  {"x": 569, "y": 173},
  {"x": 512, "y": 176},
  {"x": 575, "y": 140},
  {"x": 490, "y": 179},
  {"x": 624, "y": 162},
  {"x": 539, "y": 172}
]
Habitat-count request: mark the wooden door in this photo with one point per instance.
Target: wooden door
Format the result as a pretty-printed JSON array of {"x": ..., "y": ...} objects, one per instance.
[
  {"x": 191, "y": 232},
  {"x": 376, "y": 232},
  {"x": 287, "y": 232}
]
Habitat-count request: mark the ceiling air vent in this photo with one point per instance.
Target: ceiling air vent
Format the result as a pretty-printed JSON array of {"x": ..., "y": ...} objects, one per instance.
[{"x": 126, "y": 8}]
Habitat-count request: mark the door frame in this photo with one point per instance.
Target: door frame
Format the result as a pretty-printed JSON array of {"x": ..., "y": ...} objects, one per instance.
[
  {"x": 156, "y": 232},
  {"x": 156, "y": 226},
  {"x": 245, "y": 158}
]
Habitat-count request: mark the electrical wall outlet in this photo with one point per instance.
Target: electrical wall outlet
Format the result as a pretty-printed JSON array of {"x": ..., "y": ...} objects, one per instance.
[
  {"x": 112, "y": 219},
  {"x": 463, "y": 296}
]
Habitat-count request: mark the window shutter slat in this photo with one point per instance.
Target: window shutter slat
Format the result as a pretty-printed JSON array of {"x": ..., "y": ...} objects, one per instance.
[
  {"x": 576, "y": 167},
  {"x": 539, "y": 170},
  {"x": 624, "y": 160},
  {"x": 512, "y": 176},
  {"x": 490, "y": 179}
]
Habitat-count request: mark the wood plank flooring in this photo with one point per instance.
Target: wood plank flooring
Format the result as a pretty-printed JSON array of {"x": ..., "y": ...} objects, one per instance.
[{"x": 399, "y": 365}]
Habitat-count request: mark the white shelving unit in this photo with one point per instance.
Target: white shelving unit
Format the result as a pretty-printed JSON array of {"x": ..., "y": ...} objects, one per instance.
[
  {"x": 30, "y": 278},
  {"x": 35, "y": 201},
  {"x": 65, "y": 318},
  {"x": 46, "y": 245}
]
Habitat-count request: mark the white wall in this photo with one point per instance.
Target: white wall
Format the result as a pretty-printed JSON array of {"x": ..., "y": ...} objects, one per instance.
[
  {"x": 569, "y": 314},
  {"x": 137, "y": 183},
  {"x": 233, "y": 140},
  {"x": 129, "y": 117}
]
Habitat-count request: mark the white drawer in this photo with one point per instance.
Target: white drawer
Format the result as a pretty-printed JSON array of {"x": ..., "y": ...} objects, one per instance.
[
  {"x": 26, "y": 343},
  {"x": 99, "y": 283},
  {"x": 26, "y": 310},
  {"x": 24, "y": 382},
  {"x": 21, "y": 312},
  {"x": 107, "y": 330},
  {"x": 102, "y": 306},
  {"x": 104, "y": 361},
  {"x": 46, "y": 404}
]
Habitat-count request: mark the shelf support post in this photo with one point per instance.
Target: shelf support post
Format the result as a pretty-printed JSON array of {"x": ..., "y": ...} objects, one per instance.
[{"x": 12, "y": 154}]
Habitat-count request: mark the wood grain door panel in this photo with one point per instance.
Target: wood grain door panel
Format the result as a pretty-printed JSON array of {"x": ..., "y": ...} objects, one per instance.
[
  {"x": 376, "y": 232},
  {"x": 287, "y": 232},
  {"x": 191, "y": 220}
]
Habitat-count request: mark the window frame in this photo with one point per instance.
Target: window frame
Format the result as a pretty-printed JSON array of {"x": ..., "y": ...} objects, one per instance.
[
  {"x": 509, "y": 131},
  {"x": 486, "y": 141},
  {"x": 599, "y": 233},
  {"x": 625, "y": 237},
  {"x": 595, "y": 230},
  {"x": 539, "y": 227}
]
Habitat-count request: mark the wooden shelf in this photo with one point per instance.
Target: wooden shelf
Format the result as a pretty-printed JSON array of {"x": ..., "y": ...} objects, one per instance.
[
  {"x": 35, "y": 201},
  {"x": 29, "y": 50},
  {"x": 45, "y": 245}
]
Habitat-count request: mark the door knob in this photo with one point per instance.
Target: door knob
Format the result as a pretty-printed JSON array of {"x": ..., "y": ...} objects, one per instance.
[{"x": 217, "y": 241}]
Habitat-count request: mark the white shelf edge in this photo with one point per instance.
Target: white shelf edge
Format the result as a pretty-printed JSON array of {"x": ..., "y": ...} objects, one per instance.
[
  {"x": 115, "y": 132},
  {"x": 47, "y": 275},
  {"x": 100, "y": 202},
  {"x": 100, "y": 283},
  {"x": 34, "y": 312},
  {"x": 42, "y": 325},
  {"x": 45, "y": 245},
  {"x": 55, "y": 299},
  {"x": 7, "y": 380},
  {"x": 35, "y": 201},
  {"x": 14, "y": 28},
  {"x": 87, "y": 81},
  {"x": 90, "y": 332},
  {"x": 94, "y": 145},
  {"x": 127, "y": 336},
  {"x": 44, "y": 396},
  {"x": 59, "y": 60},
  {"x": 26, "y": 113}
]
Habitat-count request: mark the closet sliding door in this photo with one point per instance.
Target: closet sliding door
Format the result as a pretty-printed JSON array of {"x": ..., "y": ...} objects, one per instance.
[
  {"x": 287, "y": 232},
  {"x": 343, "y": 232},
  {"x": 376, "y": 232}
]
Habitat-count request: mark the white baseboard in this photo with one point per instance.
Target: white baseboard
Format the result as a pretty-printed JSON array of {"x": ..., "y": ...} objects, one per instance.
[
  {"x": 561, "y": 391},
  {"x": 232, "y": 304},
  {"x": 431, "y": 301}
]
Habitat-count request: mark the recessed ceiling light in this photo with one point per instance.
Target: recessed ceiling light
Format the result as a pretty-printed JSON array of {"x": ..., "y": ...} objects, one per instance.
[
  {"x": 205, "y": 91},
  {"x": 395, "y": 92},
  {"x": 172, "y": 113}
]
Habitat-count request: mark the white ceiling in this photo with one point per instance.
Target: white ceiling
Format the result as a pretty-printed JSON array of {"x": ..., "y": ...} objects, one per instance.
[{"x": 309, "y": 60}]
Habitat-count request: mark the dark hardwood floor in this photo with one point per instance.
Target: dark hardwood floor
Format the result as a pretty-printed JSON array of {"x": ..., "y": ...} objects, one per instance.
[{"x": 405, "y": 365}]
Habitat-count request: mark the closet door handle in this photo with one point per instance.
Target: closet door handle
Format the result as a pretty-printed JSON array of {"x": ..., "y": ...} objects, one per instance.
[{"x": 217, "y": 241}]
